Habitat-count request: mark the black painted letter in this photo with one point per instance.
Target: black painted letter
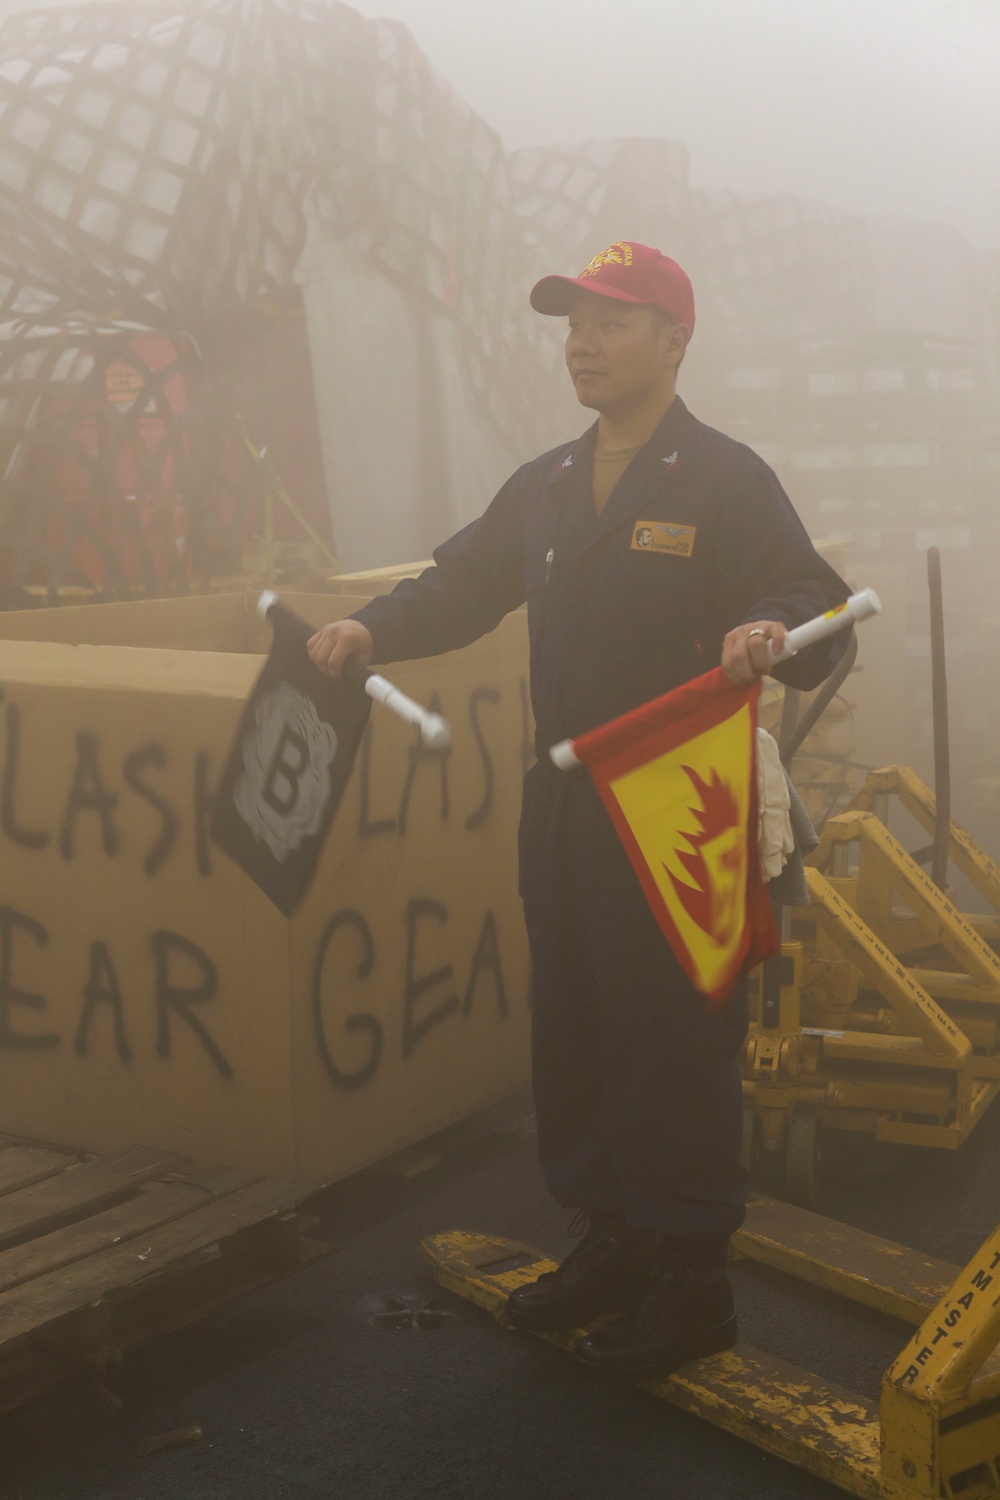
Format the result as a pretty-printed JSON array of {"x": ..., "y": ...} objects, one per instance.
[
  {"x": 153, "y": 755},
  {"x": 414, "y": 1031},
  {"x": 28, "y": 838},
  {"x": 482, "y": 812},
  {"x": 418, "y": 753},
  {"x": 170, "y": 998},
  {"x": 102, "y": 984},
  {"x": 9, "y": 920},
  {"x": 361, "y": 1022},
  {"x": 88, "y": 794},
  {"x": 487, "y": 956}
]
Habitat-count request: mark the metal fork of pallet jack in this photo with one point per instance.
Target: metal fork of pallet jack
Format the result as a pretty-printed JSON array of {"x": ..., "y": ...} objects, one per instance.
[{"x": 935, "y": 1434}]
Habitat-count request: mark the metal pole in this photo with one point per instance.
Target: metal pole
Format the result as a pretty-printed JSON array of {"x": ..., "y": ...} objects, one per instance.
[
  {"x": 939, "y": 699},
  {"x": 268, "y": 533},
  {"x": 274, "y": 487}
]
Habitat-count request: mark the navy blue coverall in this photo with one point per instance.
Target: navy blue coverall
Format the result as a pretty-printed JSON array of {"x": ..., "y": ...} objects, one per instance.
[{"x": 636, "y": 1081}]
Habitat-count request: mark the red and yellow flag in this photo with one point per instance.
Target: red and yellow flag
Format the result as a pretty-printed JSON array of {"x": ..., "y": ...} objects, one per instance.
[{"x": 678, "y": 777}]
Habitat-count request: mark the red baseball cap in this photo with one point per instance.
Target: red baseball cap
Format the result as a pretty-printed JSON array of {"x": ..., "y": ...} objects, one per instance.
[{"x": 627, "y": 272}]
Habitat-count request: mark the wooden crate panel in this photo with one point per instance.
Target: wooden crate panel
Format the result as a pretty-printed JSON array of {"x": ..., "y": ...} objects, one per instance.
[{"x": 175, "y": 1003}]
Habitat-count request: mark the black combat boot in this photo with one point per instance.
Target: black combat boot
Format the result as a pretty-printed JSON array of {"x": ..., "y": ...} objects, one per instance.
[
  {"x": 605, "y": 1272},
  {"x": 685, "y": 1313}
]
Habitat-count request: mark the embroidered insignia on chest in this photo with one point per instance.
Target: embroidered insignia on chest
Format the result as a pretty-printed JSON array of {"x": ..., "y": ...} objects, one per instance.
[
  {"x": 672, "y": 458},
  {"x": 664, "y": 536},
  {"x": 567, "y": 462}
]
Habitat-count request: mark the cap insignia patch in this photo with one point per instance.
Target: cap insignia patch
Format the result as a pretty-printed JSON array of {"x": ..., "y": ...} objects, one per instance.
[{"x": 619, "y": 254}]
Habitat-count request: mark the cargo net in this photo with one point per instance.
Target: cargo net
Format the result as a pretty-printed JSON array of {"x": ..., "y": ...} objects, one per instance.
[
  {"x": 572, "y": 200},
  {"x": 760, "y": 263},
  {"x": 161, "y": 166},
  {"x": 119, "y": 473},
  {"x": 770, "y": 263}
]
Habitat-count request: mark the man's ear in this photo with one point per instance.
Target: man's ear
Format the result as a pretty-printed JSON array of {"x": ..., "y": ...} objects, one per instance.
[{"x": 677, "y": 336}]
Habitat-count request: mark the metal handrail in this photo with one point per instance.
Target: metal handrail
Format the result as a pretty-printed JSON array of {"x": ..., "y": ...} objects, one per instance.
[{"x": 792, "y": 741}]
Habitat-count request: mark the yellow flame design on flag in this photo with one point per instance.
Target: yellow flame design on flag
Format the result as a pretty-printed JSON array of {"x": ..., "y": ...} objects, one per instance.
[{"x": 688, "y": 811}]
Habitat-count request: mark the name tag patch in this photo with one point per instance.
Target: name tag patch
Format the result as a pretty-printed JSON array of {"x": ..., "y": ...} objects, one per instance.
[{"x": 664, "y": 536}]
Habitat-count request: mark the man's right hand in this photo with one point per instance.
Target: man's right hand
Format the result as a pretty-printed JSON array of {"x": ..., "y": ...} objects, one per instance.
[{"x": 332, "y": 644}]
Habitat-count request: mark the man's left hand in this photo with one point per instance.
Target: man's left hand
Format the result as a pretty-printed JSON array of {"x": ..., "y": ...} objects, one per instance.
[{"x": 745, "y": 654}]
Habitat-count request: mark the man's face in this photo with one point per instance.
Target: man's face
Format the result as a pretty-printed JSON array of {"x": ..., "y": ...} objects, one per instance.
[{"x": 619, "y": 353}]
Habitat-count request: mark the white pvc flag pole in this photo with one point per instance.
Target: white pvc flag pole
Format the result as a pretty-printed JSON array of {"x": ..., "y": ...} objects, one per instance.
[
  {"x": 434, "y": 730},
  {"x": 860, "y": 606}
]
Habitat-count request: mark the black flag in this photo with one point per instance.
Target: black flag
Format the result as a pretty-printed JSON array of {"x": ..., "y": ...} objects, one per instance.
[{"x": 289, "y": 764}]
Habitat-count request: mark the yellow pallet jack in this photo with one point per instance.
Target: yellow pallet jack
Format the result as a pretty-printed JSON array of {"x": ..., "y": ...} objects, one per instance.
[
  {"x": 882, "y": 1014},
  {"x": 935, "y": 1434}
]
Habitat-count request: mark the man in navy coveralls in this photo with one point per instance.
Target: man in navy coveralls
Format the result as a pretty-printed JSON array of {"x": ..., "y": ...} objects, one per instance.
[{"x": 649, "y": 550}]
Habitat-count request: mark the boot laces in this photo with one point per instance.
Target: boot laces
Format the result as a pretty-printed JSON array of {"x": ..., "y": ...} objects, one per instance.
[
  {"x": 593, "y": 1231},
  {"x": 578, "y": 1224}
]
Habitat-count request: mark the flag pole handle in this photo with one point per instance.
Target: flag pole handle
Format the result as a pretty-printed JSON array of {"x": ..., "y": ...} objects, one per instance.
[
  {"x": 860, "y": 606},
  {"x": 435, "y": 731}
]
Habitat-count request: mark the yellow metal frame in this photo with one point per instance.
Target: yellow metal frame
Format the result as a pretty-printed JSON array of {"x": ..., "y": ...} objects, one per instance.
[
  {"x": 963, "y": 851},
  {"x": 935, "y": 1434},
  {"x": 889, "y": 1013}
]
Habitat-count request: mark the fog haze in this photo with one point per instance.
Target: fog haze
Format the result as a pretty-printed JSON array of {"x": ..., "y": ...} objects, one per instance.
[{"x": 881, "y": 106}]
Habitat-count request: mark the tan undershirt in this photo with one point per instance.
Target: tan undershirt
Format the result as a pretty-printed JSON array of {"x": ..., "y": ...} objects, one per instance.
[{"x": 609, "y": 466}]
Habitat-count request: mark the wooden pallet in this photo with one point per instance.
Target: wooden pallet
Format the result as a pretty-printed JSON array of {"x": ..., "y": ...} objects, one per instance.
[{"x": 101, "y": 1254}]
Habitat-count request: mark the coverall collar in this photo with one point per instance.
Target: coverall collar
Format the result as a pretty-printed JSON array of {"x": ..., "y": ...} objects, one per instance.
[{"x": 663, "y": 458}]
